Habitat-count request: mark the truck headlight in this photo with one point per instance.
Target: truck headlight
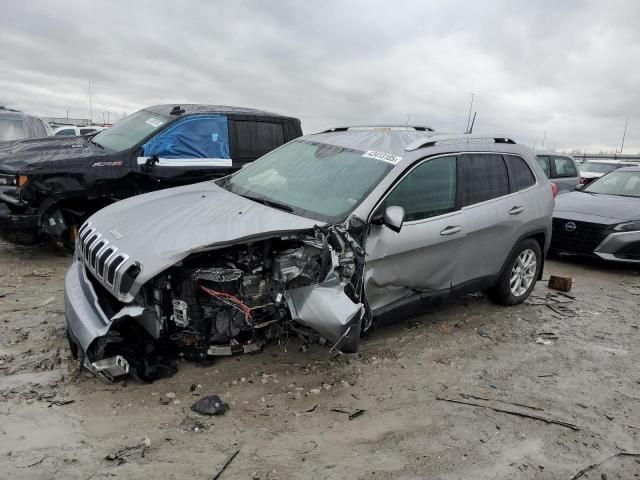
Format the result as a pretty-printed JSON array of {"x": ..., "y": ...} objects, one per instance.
[
  {"x": 7, "y": 180},
  {"x": 628, "y": 226}
]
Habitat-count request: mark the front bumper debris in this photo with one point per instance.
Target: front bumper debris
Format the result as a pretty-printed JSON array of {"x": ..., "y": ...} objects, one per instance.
[{"x": 18, "y": 227}]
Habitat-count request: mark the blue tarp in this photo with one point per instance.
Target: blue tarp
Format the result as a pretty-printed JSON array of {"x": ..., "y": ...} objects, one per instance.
[{"x": 200, "y": 136}]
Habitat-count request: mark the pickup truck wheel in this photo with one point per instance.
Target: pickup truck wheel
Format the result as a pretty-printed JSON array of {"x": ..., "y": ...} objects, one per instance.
[{"x": 520, "y": 275}]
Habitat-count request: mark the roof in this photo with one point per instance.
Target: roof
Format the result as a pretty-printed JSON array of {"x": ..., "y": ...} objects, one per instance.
[
  {"x": 196, "y": 108},
  {"x": 614, "y": 162},
  {"x": 389, "y": 141},
  {"x": 550, "y": 152},
  {"x": 629, "y": 169},
  {"x": 400, "y": 142}
]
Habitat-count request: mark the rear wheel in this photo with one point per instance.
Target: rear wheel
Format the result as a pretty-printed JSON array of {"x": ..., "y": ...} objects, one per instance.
[{"x": 519, "y": 277}]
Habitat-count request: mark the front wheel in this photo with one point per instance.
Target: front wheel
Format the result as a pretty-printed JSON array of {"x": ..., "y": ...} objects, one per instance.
[{"x": 519, "y": 277}]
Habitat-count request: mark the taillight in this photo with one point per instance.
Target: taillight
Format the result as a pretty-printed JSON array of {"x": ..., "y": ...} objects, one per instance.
[{"x": 554, "y": 189}]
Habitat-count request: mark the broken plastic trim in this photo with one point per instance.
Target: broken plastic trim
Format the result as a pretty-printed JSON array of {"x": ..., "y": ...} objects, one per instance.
[{"x": 109, "y": 368}]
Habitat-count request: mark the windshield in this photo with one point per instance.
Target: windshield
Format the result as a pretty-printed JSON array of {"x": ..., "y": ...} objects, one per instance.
[
  {"x": 130, "y": 131},
  {"x": 597, "y": 167},
  {"x": 12, "y": 129},
  {"x": 626, "y": 184},
  {"x": 315, "y": 180}
]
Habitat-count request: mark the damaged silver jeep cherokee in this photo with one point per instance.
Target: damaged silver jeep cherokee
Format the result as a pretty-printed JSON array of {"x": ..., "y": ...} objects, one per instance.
[{"x": 318, "y": 238}]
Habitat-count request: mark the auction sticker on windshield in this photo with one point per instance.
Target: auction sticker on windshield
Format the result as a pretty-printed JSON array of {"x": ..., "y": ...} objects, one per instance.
[
  {"x": 154, "y": 122},
  {"x": 385, "y": 157}
]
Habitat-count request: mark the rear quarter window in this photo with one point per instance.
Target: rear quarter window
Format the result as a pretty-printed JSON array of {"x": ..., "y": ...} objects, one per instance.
[
  {"x": 545, "y": 164},
  {"x": 521, "y": 174},
  {"x": 564, "y": 167},
  {"x": 484, "y": 176}
]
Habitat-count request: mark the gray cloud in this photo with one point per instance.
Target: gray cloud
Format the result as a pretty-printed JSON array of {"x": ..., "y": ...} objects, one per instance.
[{"x": 570, "y": 69}]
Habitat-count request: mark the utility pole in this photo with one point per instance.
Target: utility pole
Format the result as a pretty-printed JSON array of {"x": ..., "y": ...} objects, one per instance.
[
  {"x": 469, "y": 116},
  {"x": 90, "y": 109},
  {"x": 624, "y": 134},
  {"x": 544, "y": 137},
  {"x": 408, "y": 119}
]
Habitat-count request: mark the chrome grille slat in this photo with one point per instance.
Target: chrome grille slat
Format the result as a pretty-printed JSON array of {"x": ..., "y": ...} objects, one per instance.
[{"x": 103, "y": 259}]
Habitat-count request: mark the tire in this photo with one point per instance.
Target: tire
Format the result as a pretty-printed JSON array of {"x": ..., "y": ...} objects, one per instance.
[{"x": 506, "y": 293}]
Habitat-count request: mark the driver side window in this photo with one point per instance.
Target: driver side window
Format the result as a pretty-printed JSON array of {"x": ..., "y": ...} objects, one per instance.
[{"x": 427, "y": 191}]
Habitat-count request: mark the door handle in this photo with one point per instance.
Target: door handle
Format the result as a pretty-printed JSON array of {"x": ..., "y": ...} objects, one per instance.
[
  {"x": 516, "y": 210},
  {"x": 451, "y": 230}
]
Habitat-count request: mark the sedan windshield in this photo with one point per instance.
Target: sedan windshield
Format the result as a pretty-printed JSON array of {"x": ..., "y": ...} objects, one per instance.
[
  {"x": 625, "y": 184},
  {"x": 594, "y": 167},
  {"x": 315, "y": 180},
  {"x": 130, "y": 131}
]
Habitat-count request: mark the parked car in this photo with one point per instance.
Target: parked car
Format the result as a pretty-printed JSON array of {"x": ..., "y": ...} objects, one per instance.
[
  {"x": 561, "y": 169},
  {"x": 593, "y": 169},
  {"x": 73, "y": 131},
  {"x": 221, "y": 267},
  {"x": 601, "y": 219},
  {"x": 15, "y": 125},
  {"x": 49, "y": 186}
]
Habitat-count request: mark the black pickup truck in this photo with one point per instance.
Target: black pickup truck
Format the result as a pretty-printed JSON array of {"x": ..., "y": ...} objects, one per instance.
[{"x": 49, "y": 186}]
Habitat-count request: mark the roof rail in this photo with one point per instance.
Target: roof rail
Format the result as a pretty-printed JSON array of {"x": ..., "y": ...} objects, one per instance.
[
  {"x": 418, "y": 128},
  {"x": 456, "y": 138}
]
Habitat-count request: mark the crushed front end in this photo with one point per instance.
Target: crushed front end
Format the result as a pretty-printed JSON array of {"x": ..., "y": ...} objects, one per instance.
[{"x": 221, "y": 301}]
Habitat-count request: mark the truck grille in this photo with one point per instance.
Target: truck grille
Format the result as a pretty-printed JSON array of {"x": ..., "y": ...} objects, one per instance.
[
  {"x": 583, "y": 239},
  {"x": 104, "y": 260}
]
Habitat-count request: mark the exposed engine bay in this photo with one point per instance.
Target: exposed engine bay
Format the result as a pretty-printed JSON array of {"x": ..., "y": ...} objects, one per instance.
[{"x": 233, "y": 300}]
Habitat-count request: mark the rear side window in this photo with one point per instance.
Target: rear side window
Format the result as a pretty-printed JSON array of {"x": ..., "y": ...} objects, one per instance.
[
  {"x": 521, "y": 174},
  {"x": 66, "y": 131},
  {"x": 427, "y": 191},
  {"x": 545, "y": 164},
  {"x": 564, "y": 167},
  {"x": 254, "y": 139},
  {"x": 485, "y": 177},
  {"x": 84, "y": 131}
]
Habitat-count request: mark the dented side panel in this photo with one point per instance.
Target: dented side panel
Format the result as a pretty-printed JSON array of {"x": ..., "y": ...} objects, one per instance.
[
  {"x": 328, "y": 310},
  {"x": 422, "y": 257}
]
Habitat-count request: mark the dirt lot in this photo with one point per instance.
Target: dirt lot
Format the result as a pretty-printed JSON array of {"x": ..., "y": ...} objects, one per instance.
[{"x": 290, "y": 411}]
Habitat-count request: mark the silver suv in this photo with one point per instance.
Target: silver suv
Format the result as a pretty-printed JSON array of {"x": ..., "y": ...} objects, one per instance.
[
  {"x": 561, "y": 169},
  {"x": 318, "y": 239}
]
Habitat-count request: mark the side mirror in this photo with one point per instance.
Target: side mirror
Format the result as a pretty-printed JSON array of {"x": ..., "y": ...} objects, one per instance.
[
  {"x": 393, "y": 218},
  {"x": 579, "y": 186}
]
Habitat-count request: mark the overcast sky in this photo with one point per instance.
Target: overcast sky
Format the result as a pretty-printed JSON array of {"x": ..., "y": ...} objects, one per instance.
[{"x": 570, "y": 68}]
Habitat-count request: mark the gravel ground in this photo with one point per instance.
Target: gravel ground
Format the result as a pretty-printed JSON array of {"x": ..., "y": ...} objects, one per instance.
[{"x": 295, "y": 414}]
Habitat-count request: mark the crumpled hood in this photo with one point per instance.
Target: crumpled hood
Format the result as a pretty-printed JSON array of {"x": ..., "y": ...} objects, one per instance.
[
  {"x": 161, "y": 228},
  {"x": 597, "y": 208},
  {"x": 33, "y": 153}
]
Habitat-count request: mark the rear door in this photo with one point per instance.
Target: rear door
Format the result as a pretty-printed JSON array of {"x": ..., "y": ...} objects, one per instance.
[
  {"x": 423, "y": 256},
  {"x": 490, "y": 217},
  {"x": 565, "y": 174},
  {"x": 252, "y": 138}
]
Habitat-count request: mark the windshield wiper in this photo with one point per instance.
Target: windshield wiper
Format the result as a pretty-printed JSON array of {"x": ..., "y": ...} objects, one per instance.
[
  {"x": 269, "y": 203},
  {"x": 96, "y": 143}
]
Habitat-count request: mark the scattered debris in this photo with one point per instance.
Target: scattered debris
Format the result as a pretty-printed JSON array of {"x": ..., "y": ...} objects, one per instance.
[
  {"x": 226, "y": 464},
  {"x": 561, "y": 310},
  {"x": 191, "y": 424},
  {"x": 352, "y": 414},
  {"x": 484, "y": 333},
  {"x": 543, "y": 341},
  {"x": 513, "y": 412},
  {"x": 516, "y": 404},
  {"x": 563, "y": 284},
  {"x": 128, "y": 453},
  {"x": 59, "y": 403},
  {"x": 595, "y": 465},
  {"x": 446, "y": 327},
  {"x": 37, "y": 462},
  {"x": 210, "y": 405},
  {"x": 312, "y": 409}
]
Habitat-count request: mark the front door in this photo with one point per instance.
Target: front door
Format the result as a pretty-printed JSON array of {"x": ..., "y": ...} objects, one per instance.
[
  {"x": 423, "y": 256},
  {"x": 193, "y": 149}
]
